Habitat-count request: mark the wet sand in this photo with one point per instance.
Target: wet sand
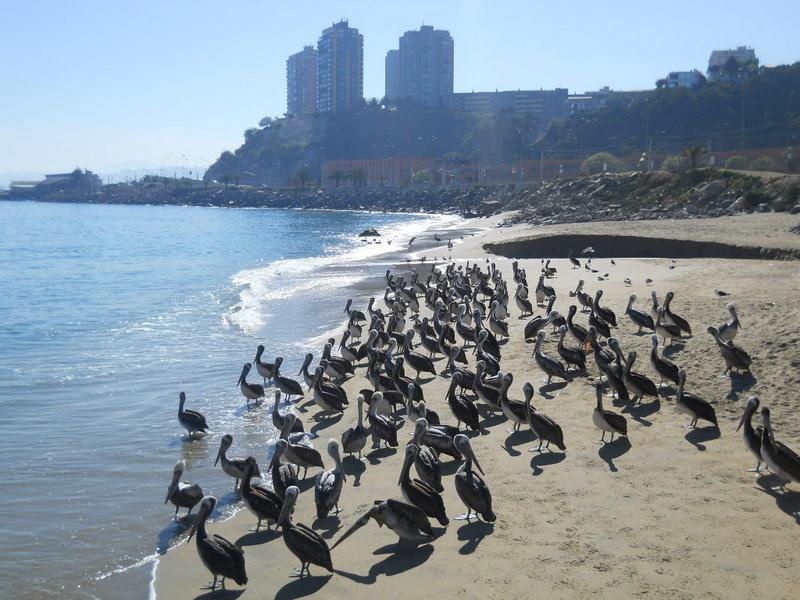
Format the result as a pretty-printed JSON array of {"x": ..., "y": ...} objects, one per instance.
[{"x": 670, "y": 513}]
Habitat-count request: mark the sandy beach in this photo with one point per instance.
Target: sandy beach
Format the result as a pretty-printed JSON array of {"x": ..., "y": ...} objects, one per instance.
[{"x": 669, "y": 513}]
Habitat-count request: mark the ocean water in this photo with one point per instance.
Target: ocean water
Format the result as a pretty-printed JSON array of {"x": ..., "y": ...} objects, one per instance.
[{"x": 106, "y": 313}]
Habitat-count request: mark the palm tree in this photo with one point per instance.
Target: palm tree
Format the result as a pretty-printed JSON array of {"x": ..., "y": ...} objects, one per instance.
[{"x": 694, "y": 154}]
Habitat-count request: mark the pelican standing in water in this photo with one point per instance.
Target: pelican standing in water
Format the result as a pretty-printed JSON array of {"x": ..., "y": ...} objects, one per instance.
[
  {"x": 329, "y": 484},
  {"x": 265, "y": 369},
  {"x": 305, "y": 543},
  {"x": 182, "y": 494},
  {"x": 231, "y": 466},
  {"x": 288, "y": 386},
  {"x": 354, "y": 438},
  {"x": 278, "y": 420},
  {"x": 781, "y": 460},
  {"x": 251, "y": 391},
  {"x": 191, "y": 420},
  {"x": 606, "y": 420},
  {"x": 470, "y": 486},
  {"x": 751, "y": 435},
  {"x": 409, "y": 522},
  {"x": 220, "y": 556}
]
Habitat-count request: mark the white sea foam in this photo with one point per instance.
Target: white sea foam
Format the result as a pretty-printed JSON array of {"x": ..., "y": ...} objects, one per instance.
[{"x": 339, "y": 267}]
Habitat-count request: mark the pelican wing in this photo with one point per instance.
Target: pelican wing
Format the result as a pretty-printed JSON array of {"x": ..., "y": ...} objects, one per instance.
[
  {"x": 618, "y": 422},
  {"x": 307, "y": 545},
  {"x": 412, "y": 514},
  {"x": 229, "y": 557}
]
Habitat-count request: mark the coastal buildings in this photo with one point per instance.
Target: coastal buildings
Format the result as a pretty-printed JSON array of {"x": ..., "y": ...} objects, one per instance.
[
  {"x": 424, "y": 67},
  {"x": 340, "y": 69},
  {"x": 301, "y": 82},
  {"x": 723, "y": 65},
  {"x": 685, "y": 79},
  {"x": 546, "y": 105}
]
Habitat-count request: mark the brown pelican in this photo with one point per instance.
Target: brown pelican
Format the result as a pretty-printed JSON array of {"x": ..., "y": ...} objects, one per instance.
[
  {"x": 639, "y": 385},
  {"x": 751, "y": 435},
  {"x": 263, "y": 503},
  {"x": 729, "y": 330},
  {"x": 415, "y": 360},
  {"x": 665, "y": 368},
  {"x": 523, "y": 304},
  {"x": 283, "y": 474},
  {"x": 278, "y": 419},
  {"x": 265, "y": 369},
  {"x": 490, "y": 361},
  {"x": 353, "y": 352},
  {"x": 584, "y": 299},
  {"x": 251, "y": 391},
  {"x": 355, "y": 438},
  {"x": 496, "y": 324},
  {"x": 305, "y": 543},
  {"x": 576, "y": 264},
  {"x": 410, "y": 523},
  {"x": 578, "y": 331},
  {"x": 539, "y": 322},
  {"x": 550, "y": 366},
  {"x": 639, "y": 317},
  {"x": 600, "y": 326},
  {"x": 182, "y": 494},
  {"x": 416, "y": 409},
  {"x": 470, "y": 486},
  {"x": 289, "y": 387},
  {"x": 734, "y": 357},
  {"x": 604, "y": 313},
  {"x": 467, "y": 376},
  {"x": 221, "y": 557},
  {"x": 781, "y": 460},
  {"x": 327, "y": 398},
  {"x": 543, "y": 291},
  {"x": 692, "y": 405},
  {"x": 299, "y": 454},
  {"x": 514, "y": 410},
  {"x": 192, "y": 421},
  {"x": 335, "y": 367},
  {"x": 666, "y": 330},
  {"x": 401, "y": 382},
  {"x": 571, "y": 356},
  {"x": 543, "y": 427},
  {"x": 438, "y": 437},
  {"x": 328, "y": 487},
  {"x": 356, "y": 315},
  {"x": 488, "y": 394},
  {"x": 670, "y": 316},
  {"x": 307, "y": 377},
  {"x": 426, "y": 460},
  {"x": 233, "y": 467},
  {"x": 462, "y": 407},
  {"x": 654, "y": 306},
  {"x": 428, "y": 338},
  {"x": 418, "y": 492},
  {"x": 382, "y": 426},
  {"x": 606, "y": 420}
]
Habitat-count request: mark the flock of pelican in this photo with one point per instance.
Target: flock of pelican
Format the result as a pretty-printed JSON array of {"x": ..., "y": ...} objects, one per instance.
[{"x": 468, "y": 308}]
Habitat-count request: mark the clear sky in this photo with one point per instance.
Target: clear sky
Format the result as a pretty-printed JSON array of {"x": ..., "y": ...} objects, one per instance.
[{"x": 108, "y": 84}]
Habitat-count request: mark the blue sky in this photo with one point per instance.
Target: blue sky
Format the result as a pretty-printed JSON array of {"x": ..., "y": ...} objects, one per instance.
[{"x": 110, "y": 84}]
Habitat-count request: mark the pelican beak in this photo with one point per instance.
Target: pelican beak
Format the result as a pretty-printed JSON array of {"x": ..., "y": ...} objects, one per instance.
[
  {"x": 171, "y": 489},
  {"x": 216, "y": 460},
  {"x": 741, "y": 421},
  {"x": 284, "y": 513},
  {"x": 195, "y": 525},
  {"x": 362, "y": 520}
]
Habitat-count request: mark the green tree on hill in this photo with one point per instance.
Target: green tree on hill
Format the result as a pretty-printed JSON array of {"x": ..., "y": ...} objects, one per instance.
[{"x": 694, "y": 155}]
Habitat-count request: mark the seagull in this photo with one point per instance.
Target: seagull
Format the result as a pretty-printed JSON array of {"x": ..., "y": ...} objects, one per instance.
[
  {"x": 720, "y": 293},
  {"x": 628, "y": 281},
  {"x": 648, "y": 281},
  {"x": 587, "y": 250}
]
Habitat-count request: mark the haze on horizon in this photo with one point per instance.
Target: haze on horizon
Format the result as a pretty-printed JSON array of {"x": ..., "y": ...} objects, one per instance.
[{"x": 108, "y": 86}]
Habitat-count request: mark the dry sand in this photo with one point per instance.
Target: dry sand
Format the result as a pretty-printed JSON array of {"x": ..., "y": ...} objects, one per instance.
[{"x": 673, "y": 514}]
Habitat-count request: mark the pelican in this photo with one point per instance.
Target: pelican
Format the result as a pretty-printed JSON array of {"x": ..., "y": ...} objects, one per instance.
[
  {"x": 289, "y": 387},
  {"x": 604, "y": 313},
  {"x": 417, "y": 361},
  {"x": 426, "y": 460},
  {"x": 523, "y": 304},
  {"x": 637, "y": 383},
  {"x": 401, "y": 383},
  {"x": 490, "y": 361},
  {"x": 600, "y": 326},
  {"x": 438, "y": 437},
  {"x": 328, "y": 487},
  {"x": 335, "y": 366},
  {"x": 192, "y": 421},
  {"x": 665, "y": 368},
  {"x": 578, "y": 331},
  {"x": 734, "y": 357},
  {"x": 356, "y": 315},
  {"x": 550, "y": 366},
  {"x": 299, "y": 454},
  {"x": 278, "y": 419},
  {"x": 496, "y": 324},
  {"x": 263, "y": 503},
  {"x": 221, "y": 557},
  {"x": 682, "y": 323},
  {"x": 543, "y": 291},
  {"x": 418, "y": 492},
  {"x": 584, "y": 299},
  {"x": 327, "y": 398},
  {"x": 470, "y": 486},
  {"x": 410, "y": 523},
  {"x": 283, "y": 474},
  {"x": 488, "y": 394},
  {"x": 382, "y": 426},
  {"x": 514, "y": 410},
  {"x": 353, "y": 352},
  {"x": 538, "y": 323},
  {"x": 606, "y": 420},
  {"x": 781, "y": 460},
  {"x": 543, "y": 427},
  {"x": 467, "y": 376},
  {"x": 751, "y": 435},
  {"x": 729, "y": 330},
  {"x": 251, "y": 391},
  {"x": 462, "y": 407},
  {"x": 666, "y": 330},
  {"x": 355, "y": 438},
  {"x": 265, "y": 369},
  {"x": 571, "y": 356},
  {"x": 639, "y": 317},
  {"x": 692, "y": 405},
  {"x": 233, "y": 467},
  {"x": 305, "y": 543},
  {"x": 182, "y": 494}
]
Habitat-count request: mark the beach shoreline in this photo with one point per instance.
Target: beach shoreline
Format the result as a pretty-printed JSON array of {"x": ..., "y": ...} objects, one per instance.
[{"x": 673, "y": 513}]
